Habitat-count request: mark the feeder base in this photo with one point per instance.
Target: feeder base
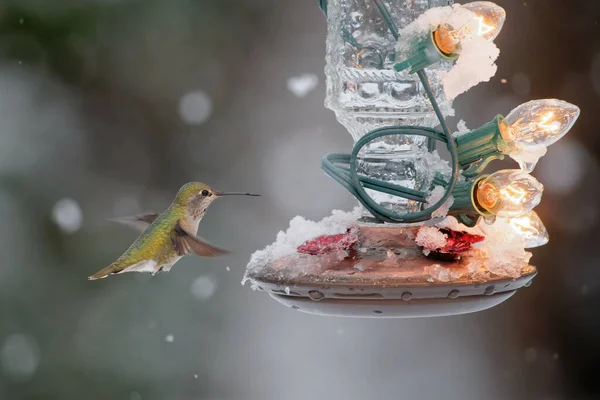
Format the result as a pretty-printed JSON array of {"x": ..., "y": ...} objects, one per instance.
[
  {"x": 392, "y": 308},
  {"x": 390, "y": 277}
]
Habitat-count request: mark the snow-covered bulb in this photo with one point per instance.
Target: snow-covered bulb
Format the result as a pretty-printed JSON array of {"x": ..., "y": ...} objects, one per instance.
[
  {"x": 529, "y": 227},
  {"x": 462, "y": 32},
  {"x": 470, "y": 35}
]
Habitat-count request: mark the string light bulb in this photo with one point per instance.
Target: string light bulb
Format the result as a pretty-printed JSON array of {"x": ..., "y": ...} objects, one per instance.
[
  {"x": 529, "y": 227},
  {"x": 534, "y": 126},
  {"x": 539, "y": 122},
  {"x": 477, "y": 19},
  {"x": 508, "y": 193},
  {"x": 523, "y": 135},
  {"x": 487, "y": 21}
]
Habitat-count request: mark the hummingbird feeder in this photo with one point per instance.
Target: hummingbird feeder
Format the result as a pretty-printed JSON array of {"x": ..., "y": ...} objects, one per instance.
[{"x": 430, "y": 237}]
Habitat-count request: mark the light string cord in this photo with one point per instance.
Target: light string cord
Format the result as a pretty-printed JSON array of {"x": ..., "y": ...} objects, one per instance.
[{"x": 356, "y": 184}]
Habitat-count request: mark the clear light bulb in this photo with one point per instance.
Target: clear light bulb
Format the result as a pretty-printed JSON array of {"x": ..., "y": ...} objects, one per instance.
[
  {"x": 490, "y": 18},
  {"x": 539, "y": 122},
  {"x": 487, "y": 23},
  {"x": 509, "y": 193},
  {"x": 529, "y": 227}
]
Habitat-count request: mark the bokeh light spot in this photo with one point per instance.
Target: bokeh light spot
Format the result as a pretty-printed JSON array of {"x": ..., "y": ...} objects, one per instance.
[
  {"x": 67, "y": 215},
  {"x": 19, "y": 357},
  {"x": 204, "y": 287},
  {"x": 195, "y": 107}
]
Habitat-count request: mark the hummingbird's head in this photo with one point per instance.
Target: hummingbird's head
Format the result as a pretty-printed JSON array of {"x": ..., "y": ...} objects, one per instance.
[{"x": 197, "y": 196}]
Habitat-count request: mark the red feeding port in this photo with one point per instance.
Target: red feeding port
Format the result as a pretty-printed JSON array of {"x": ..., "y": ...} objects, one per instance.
[
  {"x": 329, "y": 243},
  {"x": 459, "y": 242}
]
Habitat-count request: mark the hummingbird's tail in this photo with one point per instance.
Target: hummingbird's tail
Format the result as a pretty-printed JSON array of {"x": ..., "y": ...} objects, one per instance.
[{"x": 103, "y": 273}]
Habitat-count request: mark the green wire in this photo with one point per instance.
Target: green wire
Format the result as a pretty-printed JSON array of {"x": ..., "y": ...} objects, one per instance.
[{"x": 387, "y": 18}]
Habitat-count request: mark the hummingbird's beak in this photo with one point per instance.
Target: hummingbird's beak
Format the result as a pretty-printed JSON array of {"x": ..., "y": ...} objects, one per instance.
[{"x": 219, "y": 194}]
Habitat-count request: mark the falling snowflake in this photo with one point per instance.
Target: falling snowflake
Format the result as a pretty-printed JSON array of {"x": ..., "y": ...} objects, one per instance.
[{"x": 303, "y": 84}]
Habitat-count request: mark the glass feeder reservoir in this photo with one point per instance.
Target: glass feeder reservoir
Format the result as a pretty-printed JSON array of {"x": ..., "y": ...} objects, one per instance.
[{"x": 366, "y": 93}]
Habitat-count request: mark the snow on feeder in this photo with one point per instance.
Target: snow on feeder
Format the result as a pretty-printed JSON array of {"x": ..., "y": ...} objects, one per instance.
[{"x": 431, "y": 237}]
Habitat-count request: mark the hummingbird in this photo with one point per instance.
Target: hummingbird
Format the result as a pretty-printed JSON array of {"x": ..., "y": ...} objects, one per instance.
[{"x": 168, "y": 237}]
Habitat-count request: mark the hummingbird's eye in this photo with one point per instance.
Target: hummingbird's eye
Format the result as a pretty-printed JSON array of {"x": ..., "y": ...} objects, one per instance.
[{"x": 204, "y": 192}]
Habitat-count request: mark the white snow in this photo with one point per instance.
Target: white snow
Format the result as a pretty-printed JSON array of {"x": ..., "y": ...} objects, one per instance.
[
  {"x": 461, "y": 129},
  {"x": 436, "y": 165},
  {"x": 503, "y": 251},
  {"x": 301, "y": 230},
  {"x": 476, "y": 62},
  {"x": 169, "y": 338},
  {"x": 436, "y": 194},
  {"x": 303, "y": 84},
  {"x": 204, "y": 287},
  {"x": 67, "y": 215},
  {"x": 438, "y": 273},
  {"x": 430, "y": 238},
  {"x": 19, "y": 357},
  {"x": 195, "y": 107}
]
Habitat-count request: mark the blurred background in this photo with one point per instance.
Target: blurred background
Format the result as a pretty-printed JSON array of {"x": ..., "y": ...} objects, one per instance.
[{"x": 108, "y": 106}]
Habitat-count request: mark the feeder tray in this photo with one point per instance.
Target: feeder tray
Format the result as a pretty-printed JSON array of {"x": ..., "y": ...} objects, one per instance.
[{"x": 389, "y": 278}]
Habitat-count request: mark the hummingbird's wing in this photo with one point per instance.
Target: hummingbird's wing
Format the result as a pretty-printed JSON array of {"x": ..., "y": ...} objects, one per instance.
[
  {"x": 187, "y": 243},
  {"x": 139, "y": 222}
]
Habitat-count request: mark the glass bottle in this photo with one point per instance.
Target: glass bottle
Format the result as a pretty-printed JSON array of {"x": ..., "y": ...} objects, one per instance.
[{"x": 366, "y": 93}]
